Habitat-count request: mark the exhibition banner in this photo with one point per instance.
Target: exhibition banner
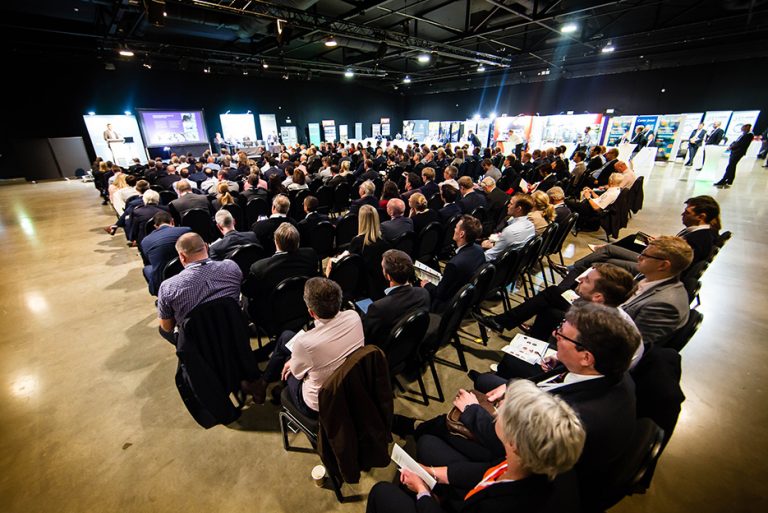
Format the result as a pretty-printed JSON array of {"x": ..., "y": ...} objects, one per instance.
[
  {"x": 647, "y": 122},
  {"x": 417, "y": 129},
  {"x": 268, "y": 124},
  {"x": 564, "y": 129},
  {"x": 343, "y": 133},
  {"x": 738, "y": 119},
  {"x": 689, "y": 123},
  {"x": 329, "y": 130},
  {"x": 376, "y": 130},
  {"x": 520, "y": 124},
  {"x": 618, "y": 127},
  {"x": 666, "y": 134},
  {"x": 314, "y": 134},
  {"x": 358, "y": 131},
  {"x": 385, "y": 127},
  {"x": 434, "y": 130},
  {"x": 289, "y": 135},
  {"x": 716, "y": 115}
]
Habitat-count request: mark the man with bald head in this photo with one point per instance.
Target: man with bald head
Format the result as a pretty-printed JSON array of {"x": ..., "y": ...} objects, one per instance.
[
  {"x": 202, "y": 280},
  {"x": 397, "y": 225}
]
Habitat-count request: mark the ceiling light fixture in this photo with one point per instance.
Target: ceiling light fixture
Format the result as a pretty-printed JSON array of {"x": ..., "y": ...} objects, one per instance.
[
  {"x": 608, "y": 48},
  {"x": 207, "y": 69},
  {"x": 349, "y": 73},
  {"x": 245, "y": 72},
  {"x": 423, "y": 58},
  {"x": 407, "y": 80},
  {"x": 264, "y": 64},
  {"x": 331, "y": 42},
  {"x": 480, "y": 68},
  {"x": 126, "y": 52},
  {"x": 569, "y": 28}
]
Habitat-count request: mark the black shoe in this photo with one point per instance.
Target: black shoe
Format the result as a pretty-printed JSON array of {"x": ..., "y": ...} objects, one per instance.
[
  {"x": 721, "y": 183},
  {"x": 403, "y": 426},
  {"x": 562, "y": 270},
  {"x": 491, "y": 323},
  {"x": 688, "y": 165}
]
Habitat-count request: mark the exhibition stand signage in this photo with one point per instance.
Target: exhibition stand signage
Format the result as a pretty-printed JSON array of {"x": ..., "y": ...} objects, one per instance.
[
  {"x": 618, "y": 127},
  {"x": 666, "y": 135},
  {"x": 314, "y": 134},
  {"x": 417, "y": 129},
  {"x": 343, "y": 132},
  {"x": 289, "y": 135},
  {"x": 738, "y": 119},
  {"x": 385, "y": 127},
  {"x": 689, "y": 123},
  {"x": 268, "y": 124},
  {"x": 329, "y": 130},
  {"x": 358, "y": 131}
]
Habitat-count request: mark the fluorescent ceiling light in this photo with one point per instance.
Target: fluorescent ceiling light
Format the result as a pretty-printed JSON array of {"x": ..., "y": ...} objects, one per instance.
[
  {"x": 423, "y": 58},
  {"x": 480, "y": 68},
  {"x": 407, "y": 80},
  {"x": 349, "y": 73},
  {"x": 125, "y": 52},
  {"x": 331, "y": 42},
  {"x": 608, "y": 48},
  {"x": 569, "y": 28}
]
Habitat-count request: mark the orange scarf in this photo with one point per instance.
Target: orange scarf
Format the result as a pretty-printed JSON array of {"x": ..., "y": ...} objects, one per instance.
[{"x": 490, "y": 477}]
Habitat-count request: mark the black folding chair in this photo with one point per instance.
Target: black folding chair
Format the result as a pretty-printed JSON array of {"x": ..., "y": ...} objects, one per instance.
[
  {"x": 346, "y": 230},
  {"x": 405, "y": 242},
  {"x": 255, "y": 208},
  {"x": 444, "y": 329},
  {"x": 321, "y": 239},
  {"x": 428, "y": 244},
  {"x": 199, "y": 220},
  {"x": 245, "y": 256},
  {"x": 402, "y": 349},
  {"x": 351, "y": 274}
]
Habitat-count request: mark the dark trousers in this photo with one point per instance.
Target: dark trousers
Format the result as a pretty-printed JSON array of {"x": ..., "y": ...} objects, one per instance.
[
  {"x": 730, "y": 170},
  {"x": 548, "y": 299},
  {"x": 692, "y": 149},
  {"x": 438, "y": 447},
  {"x": 390, "y": 498},
  {"x": 275, "y": 365},
  {"x": 610, "y": 253}
]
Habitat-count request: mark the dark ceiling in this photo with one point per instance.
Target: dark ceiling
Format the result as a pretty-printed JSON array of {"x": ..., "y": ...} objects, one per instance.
[{"x": 380, "y": 41}]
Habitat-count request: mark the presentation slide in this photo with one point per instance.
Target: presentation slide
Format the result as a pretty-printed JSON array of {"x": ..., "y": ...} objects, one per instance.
[
  {"x": 239, "y": 129},
  {"x": 268, "y": 124},
  {"x": 126, "y": 128},
  {"x": 162, "y": 128}
]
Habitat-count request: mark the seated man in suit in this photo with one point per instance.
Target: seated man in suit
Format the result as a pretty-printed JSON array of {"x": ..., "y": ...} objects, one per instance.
[
  {"x": 595, "y": 346},
  {"x": 141, "y": 215},
  {"x": 188, "y": 200},
  {"x": 230, "y": 237},
  {"x": 602, "y": 175},
  {"x": 429, "y": 188},
  {"x": 449, "y": 176},
  {"x": 557, "y": 200},
  {"x": 701, "y": 218},
  {"x": 450, "y": 207},
  {"x": 398, "y": 224},
  {"x": 290, "y": 260},
  {"x": 496, "y": 198},
  {"x": 470, "y": 198},
  {"x": 265, "y": 229},
  {"x": 459, "y": 269},
  {"x": 400, "y": 298},
  {"x": 311, "y": 219},
  {"x": 316, "y": 353},
  {"x": 516, "y": 233},
  {"x": 660, "y": 305},
  {"x": 169, "y": 177},
  {"x": 366, "y": 190},
  {"x": 158, "y": 248}
]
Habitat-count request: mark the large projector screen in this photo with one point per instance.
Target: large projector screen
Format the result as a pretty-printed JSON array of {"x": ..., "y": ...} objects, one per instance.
[
  {"x": 238, "y": 127},
  {"x": 166, "y": 128}
]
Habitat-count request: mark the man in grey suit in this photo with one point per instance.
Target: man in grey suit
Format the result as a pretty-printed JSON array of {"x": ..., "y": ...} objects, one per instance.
[
  {"x": 188, "y": 200},
  {"x": 660, "y": 303}
]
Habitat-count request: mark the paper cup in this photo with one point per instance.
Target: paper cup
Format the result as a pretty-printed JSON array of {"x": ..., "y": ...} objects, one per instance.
[{"x": 318, "y": 475}]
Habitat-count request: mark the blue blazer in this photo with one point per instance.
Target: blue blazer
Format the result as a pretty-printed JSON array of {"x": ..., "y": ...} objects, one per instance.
[
  {"x": 159, "y": 248},
  {"x": 457, "y": 273}
]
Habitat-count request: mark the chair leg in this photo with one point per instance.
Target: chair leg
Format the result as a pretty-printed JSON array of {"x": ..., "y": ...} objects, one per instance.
[
  {"x": 562, "y": 262},
  {"x": 284, "y": 431},
  {"x": 423, "y": 390},
  {"x": 398, "y": 384},
  {"x": 483, "y": 333},
  {"x": 543, "y": 272},
  {"x": 460, "y": 353},
  {"x": 336, "y": 487},
  {"x": 440, "y": 396}
]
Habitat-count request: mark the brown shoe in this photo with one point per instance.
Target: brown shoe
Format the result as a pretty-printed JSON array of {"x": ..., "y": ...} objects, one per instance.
[
  {"x": 257, "y": 389},
  {"x": 110, "y": 229}
]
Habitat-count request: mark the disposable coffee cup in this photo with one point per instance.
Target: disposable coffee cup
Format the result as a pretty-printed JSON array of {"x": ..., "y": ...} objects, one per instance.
[{"x": 318, "y": 475}]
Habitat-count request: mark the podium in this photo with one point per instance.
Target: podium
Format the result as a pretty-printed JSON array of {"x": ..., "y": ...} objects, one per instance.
[
  {"x": 625, "y": 151},
  {"x": 121, "y": 154},
  {"x": 713, "y": 167}
]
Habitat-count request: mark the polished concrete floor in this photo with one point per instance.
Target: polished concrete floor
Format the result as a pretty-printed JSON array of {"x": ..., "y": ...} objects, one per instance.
[{"x": 92, "y": 421}]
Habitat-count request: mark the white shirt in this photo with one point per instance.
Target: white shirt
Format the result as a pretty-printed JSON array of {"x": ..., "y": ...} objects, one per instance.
[
  {"x": 569, "y": 379},
  {"x": 518, "y": 231},
  {"x": 608, "y": 197}
]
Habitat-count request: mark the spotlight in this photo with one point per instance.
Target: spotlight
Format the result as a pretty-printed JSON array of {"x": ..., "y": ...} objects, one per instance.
[
  {"x": 264, "y": 64},
  {"x": 331, "y": 42},
  {"x": 245, "y": 72},
  {"x": 480, "y": 68},
  {"x": 569, "y": 28},
  {"x": 407, "y": 80},
  {"x": 423, "y": 58},
  {"x": 126, "y": 52},
  {"x": 91, "y": 113},
  {"x": 207, "y": 69},
  {"x": 493, "y": 115},
  {"x": 608, "y": 48},
  {"x": 349, "y": 73},
  {"x": 476, "y": 117},
  {"x": 127, "y": 112},
  {"x": 609, "y": 111}
]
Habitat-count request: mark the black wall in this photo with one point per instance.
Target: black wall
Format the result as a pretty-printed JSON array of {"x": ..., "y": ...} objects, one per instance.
[
  {"x": 726, "y": 86},
  {"x": 51, "y": 102}
]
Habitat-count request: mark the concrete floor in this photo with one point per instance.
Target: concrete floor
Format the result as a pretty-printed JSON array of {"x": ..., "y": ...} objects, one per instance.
[{"x": 92, "y": 420}]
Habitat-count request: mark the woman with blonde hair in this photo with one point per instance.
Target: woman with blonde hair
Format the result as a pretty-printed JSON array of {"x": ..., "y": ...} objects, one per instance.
[
  {"x": 420, "y": 212},
  {"x": 223, "y": 197},
  {"x": 543, "y": 212},
  {"x": 371, "y": 246}
]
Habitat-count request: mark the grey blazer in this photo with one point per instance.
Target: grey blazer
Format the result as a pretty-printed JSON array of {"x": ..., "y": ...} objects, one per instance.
[{"x": 659, "y": 311}]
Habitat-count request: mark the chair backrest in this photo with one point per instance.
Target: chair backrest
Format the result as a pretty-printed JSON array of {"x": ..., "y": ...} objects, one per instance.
[
  {"x": 167, "y": 196},
  {"x": 405, "y": 242},
  {"x": 506, "y": 263},
  {"x": 237, "y": 214},
  {"x": 352, "y": 276},
  {"x": 548, "y": 238},
  {"x": 245, "y": 256},
  {"x": 287, "y": 310},
  {"x": 346, "y": 229},
  {"x": 149, "y": 227},
  {"x": 531, "y": 254},
  {"x": 296, "y": 211},
  {"x": 480, "y": 214},
  {"x": 199, "y": 220},
  {"x": 404, "y": 341},
  {"x": 324, "y": 199},
  {"x": 719, "y": 243},
  {"x": 435, "y": 202},
  {"x": 680, "y": 338},
  {"x": 321, "y": 239},
  {"x": 450, "y": 226},
  {"x": 341, "y": 195},
  {"x": 481, "y": 281},
  {"x": 453, "y": 315},
  {"x": 172, "y": 268},
  {"x": 428, "y": 242},
  {"x": 643, "y": 451},
  {"x": 562, "y": 233},
  {"x": 256, "y": 208}
]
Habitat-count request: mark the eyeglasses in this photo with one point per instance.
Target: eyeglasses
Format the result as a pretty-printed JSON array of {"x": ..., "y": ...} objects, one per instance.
[
  {"x": 559, "y": 333},
  {"x": 644, "y": 254}
]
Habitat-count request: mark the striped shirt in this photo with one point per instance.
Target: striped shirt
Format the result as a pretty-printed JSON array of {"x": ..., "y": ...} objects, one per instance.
[{"x": 198, "y": 283}]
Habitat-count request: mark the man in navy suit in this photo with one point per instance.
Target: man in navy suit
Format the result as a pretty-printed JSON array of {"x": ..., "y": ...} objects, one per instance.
[
  {"x": 450, "y": 207},
  {"x": 397, "y": 225},
  {"x": 159, "y": 248},
  {"x": 459, "y": 269},
  {"x": 470, "y": 198},
  {"x": 694, "y": 141},
  {"x": 738, "y": 149}
]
